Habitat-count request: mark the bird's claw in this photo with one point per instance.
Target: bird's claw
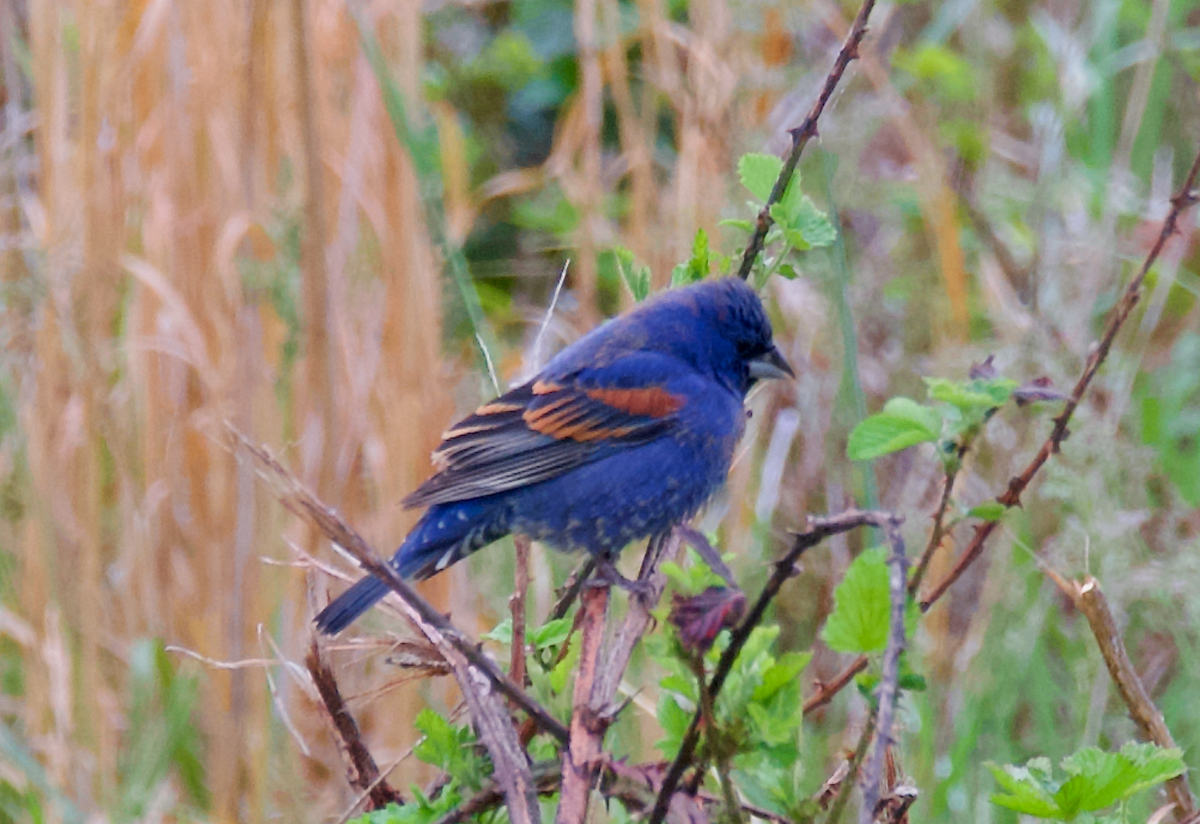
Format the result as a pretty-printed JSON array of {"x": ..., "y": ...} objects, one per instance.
[
  {"x": 695, "y": 538},
  {"x": 607, "y": 574}
]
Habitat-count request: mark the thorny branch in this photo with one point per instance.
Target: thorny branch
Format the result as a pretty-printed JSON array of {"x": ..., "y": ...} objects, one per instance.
[
  {"x": 938, "y": 531},
  {"x": 480, "y": 680},
  {"x": 819, "y": 529},
  {"x": 516, "y": 603},
  {"x": 837, "y": 788},
  {"x": 1183, "y": 199},
  {"x": 301, "y": 502},
  {"x": 364, "y": 772},
  {"x": 805, "y": 132},
  {"x": 890, "y": 677},
  {"x": 582, "y": 758}
]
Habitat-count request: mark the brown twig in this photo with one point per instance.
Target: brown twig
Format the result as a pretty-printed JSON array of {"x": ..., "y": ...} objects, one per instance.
[
  {"x": 805, "y": 132},
  {"x": 481, "y": 681},
  {"x": 1089, "y": 599},
  {"x": 1011, "y": 497},
  {"x": 298, "y": 500},
  {"x": 825, "y": 692},
  {"x": 570, "y": 590},
  {"x": 819, "y": 529},
  {"x": 839, "y": 792},
  {"x": 889, "y": 684},
  {"x": 363, "y": 774},
  {"x": 516, "y": 604},
  {"x": 583, "y": 756},
  {"x": 938, "y": 532}
]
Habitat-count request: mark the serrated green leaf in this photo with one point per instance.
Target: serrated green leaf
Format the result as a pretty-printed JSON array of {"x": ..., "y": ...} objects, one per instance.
[
  {"x": 859, "y": 621},
  {"x": 758, "y": 173},
  {"x": 1097, "y": 780},
  {"x": 796, "y": 239},
  {"x": 441, "y": 740},
  {"x": 902, "y": 423},
  {"x": 787, "y": 271},
  {"x": 550, "y": 634},
  {"x": 988, "y": 511},
  {"x": 974, "y": 395},
  {"x": 862, "y": 607},
  {"x": 636, "y": 278},
  {"x": 745, "y": 225},
  {"x": 697, "y": 266},
  {"x": 1023, "y": 793},
  {"x": 813, "y": 223},
  {"x": 782, "y": 672},
  {"x": 501, "y": 633}
]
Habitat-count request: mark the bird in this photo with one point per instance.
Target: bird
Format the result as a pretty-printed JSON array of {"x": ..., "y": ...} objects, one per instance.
[{"x": 623, "y": 435}]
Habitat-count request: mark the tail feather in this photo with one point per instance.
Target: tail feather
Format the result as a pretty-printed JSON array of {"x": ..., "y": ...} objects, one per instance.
[
  {"x": 444, "y": 536},
  {"x": 352, "y": 603}
]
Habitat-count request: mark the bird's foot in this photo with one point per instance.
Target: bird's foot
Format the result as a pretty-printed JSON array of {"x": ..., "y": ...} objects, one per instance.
[
  {"x": 607, "y": 574},
  {"x": 695, "y": 539}
]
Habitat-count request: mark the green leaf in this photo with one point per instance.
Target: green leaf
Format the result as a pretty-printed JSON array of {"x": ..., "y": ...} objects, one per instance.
[
  {"x": 902, "y": 423},
  {"x": 550, "y": 634},
  {"x": 973, "y": 395},
  {"x": 501, "y": 633},
  {"x": 1100, "y": 779},
  {"x": 636, "y": 278},
  {"x": 859, "y": 621},
  {"x": 562, "y": 671},
  {"x": 1097, "y": 780},
  {"x": 1022, "y": 792},
  {"x": 758, "y": 173},
  {"x": 988, "y": 511},
  {"x": 784, "y": 671},
  {"x": 794, "y": 237},
  {"x": 746, "y": 226},
  {"x": 697, "y": 267},
  {"x": 813, "y": 223},
  {"x": 441, "y": 739}
]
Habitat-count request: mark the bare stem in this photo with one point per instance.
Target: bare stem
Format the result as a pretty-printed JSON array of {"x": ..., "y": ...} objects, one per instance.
[
  {"x": 1011, "y": 497},
  {"x": 805, "y": 132},
  {"x": 889, "y": 684},
  {"x": 819, "y": 530}
]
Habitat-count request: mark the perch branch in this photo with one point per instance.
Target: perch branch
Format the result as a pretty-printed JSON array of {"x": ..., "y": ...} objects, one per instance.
[
  {"x": 298, "y": 500},
  {"x": 478, "y": 677},
  {"x": 819, "y": 529},
  {"x": 583, "y": 756},
  {"x": 1181, "y": 201}
]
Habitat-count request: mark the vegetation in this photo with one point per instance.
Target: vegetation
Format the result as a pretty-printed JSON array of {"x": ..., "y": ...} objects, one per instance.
[{"x": 334, "y": 227}]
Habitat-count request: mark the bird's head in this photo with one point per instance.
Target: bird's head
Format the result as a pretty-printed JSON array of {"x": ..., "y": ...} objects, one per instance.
[{"x": 720, "y": 327}]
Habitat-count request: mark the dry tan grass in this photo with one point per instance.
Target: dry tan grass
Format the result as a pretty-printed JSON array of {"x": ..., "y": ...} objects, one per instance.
[{"x": 172, "y": 141}]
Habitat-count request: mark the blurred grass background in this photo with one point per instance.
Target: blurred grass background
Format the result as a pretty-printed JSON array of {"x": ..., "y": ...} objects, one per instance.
[{"x": 214, "y": 212}]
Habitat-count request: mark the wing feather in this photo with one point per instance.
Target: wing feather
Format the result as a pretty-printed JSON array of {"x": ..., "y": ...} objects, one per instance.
[{"x": 538, "y": 431}]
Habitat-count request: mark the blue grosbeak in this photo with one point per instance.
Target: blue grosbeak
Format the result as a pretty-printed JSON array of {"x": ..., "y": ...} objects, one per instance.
[{"x": 625, "y": 434}]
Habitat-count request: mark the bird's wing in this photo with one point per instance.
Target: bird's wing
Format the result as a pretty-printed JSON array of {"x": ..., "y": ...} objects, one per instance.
[{"x": 540, "y": 430}]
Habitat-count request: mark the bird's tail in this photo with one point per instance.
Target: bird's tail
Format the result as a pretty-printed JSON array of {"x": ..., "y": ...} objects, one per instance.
[{"x": 445, "y": 535}]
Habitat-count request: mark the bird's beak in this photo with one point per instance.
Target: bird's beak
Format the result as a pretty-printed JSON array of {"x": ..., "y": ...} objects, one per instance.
[{"x": 770, "y": 366}]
